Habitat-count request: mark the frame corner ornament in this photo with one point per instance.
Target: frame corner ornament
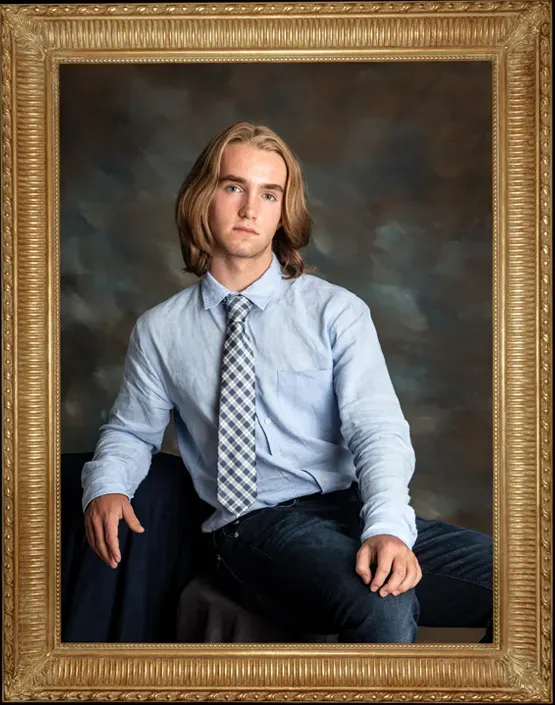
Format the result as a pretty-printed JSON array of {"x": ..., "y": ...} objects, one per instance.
[
  {"x": 522, "y": 673},
  {"x": 29, "y": 34},
  {"x": 528, "y": 29}
]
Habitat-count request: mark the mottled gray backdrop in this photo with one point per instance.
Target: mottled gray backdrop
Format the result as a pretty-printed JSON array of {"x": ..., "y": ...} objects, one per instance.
[{"x": 397, "y": 159}]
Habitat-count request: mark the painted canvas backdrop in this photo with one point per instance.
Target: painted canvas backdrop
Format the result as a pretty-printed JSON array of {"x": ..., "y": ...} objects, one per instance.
[{"x": 397, "y": 159}]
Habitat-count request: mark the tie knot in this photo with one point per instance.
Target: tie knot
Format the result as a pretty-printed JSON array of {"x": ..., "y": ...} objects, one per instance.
[{"x": 238, "y": 308}]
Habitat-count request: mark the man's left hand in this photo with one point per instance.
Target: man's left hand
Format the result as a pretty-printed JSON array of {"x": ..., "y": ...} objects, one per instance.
[{"x": 393, "y": 558}]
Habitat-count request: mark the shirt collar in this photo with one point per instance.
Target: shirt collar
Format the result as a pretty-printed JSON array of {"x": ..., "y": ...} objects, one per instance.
[{"x": 259, "y": 292}]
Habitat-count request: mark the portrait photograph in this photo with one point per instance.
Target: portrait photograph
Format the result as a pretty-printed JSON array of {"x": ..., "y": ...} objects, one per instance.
[
  {"x": 400, "y": 190},
  {"x": 389, "y": 403}
]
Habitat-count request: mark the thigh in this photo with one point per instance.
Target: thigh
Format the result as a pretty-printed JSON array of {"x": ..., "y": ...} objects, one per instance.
[
  {"x": 291, "y": 564},
  {"x": 456, "y": 589}
]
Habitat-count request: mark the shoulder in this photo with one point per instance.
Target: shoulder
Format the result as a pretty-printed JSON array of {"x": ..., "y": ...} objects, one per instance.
[
  {"x": 161, "y": 317},
  {"x": 329, "y": 298}
]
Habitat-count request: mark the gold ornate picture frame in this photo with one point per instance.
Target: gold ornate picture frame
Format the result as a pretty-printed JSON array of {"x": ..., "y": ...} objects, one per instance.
[{"x": 516, "y": 38}]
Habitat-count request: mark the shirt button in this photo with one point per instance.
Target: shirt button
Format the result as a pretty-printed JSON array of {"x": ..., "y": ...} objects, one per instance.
[
  {"x": 267, "y": 420},
  {"x": 323, "y": 479}
]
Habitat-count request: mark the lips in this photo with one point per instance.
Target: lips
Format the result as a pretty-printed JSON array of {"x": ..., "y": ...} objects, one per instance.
[{"x": 246, "y": 230}]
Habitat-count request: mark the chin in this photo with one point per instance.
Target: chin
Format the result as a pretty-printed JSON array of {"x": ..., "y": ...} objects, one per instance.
[{"x": 243, "y": 249}]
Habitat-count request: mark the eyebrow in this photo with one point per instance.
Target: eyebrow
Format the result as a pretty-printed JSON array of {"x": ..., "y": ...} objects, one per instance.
[{"x": 241, "y": 180}]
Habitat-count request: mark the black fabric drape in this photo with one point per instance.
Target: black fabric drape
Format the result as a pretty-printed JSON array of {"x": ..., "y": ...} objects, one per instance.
[{"x": 137, "y": 601}]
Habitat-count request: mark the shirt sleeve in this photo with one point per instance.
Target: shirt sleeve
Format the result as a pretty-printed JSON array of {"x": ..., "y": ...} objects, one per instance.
[
  {"x": 135, "y": 427},
  {"x": 372, "y": 424}
]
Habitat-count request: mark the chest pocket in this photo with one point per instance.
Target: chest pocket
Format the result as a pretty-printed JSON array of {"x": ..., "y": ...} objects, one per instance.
[{"x": 307, "y": 395}]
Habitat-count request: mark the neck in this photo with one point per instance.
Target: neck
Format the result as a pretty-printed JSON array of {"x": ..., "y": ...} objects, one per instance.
[{"x": 237, "y": 273}]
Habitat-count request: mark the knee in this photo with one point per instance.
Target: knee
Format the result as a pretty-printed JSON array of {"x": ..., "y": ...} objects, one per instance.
[
  {"x": 390, "y": 619},
  {"x": 400, "y": 608}
]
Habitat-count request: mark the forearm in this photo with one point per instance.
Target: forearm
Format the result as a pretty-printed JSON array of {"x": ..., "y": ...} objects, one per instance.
[
  {"x": 120, "y": 463},
  {"x": 386, "y": 510},
  {"x": 384, "y": 462},
  {"x": 373, "y": 425},
  {"x": 135, "y": 428}
]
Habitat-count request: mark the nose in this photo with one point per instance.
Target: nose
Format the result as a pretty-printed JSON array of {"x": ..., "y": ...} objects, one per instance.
[{"x": 248, "y": 208}]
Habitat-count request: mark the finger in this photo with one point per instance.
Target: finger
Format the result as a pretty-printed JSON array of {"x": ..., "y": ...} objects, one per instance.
[
  {"x": 101, "y": 548},
  {"x": 92, "y": 539},
  {"x": 413, "y": 577},
  {"x": 363, "y": 564},
  {"x": 418, "y": 573},
  {"x": 409, "y": 581},
  {"x": 131, "y": 518},
  {"x": 396, "y": 577},
  {"x": 385, "y": 558},
  {"x": 111, "y": 534}
]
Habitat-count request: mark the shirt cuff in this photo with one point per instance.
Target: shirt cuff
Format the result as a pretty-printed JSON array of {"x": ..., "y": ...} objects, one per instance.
[
  {"x": 97, "y": 489},
  {"x": 399, "y": 530}
]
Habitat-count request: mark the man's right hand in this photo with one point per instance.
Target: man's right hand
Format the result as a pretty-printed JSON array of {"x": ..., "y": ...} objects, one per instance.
[{"x": 102, "y": 518}]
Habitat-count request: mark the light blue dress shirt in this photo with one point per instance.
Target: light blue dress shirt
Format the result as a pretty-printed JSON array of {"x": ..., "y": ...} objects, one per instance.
[{"x": 326, "y": 410}]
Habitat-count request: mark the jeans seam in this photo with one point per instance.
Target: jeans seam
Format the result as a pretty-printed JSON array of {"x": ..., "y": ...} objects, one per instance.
[
  {"x": 241, "y": 582},
  {"x": 260, "y": 551},
  {"x": 249, "y": 546},
  {"x": 456, "y": 577}
]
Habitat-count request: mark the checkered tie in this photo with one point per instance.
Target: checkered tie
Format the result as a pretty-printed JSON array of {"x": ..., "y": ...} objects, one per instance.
[{"x": 236, "y": 441}]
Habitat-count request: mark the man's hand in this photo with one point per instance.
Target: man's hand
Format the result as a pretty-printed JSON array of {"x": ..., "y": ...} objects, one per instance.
[
  {"x": 102, "y": 518},
  {"x": 391, "y": 555}
]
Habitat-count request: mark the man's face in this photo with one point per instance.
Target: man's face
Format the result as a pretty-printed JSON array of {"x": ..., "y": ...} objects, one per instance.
[{"x": 246, "y": 207}]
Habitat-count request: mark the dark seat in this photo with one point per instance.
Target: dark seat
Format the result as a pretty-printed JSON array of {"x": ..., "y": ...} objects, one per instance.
[{"x": 205, "y": 614}]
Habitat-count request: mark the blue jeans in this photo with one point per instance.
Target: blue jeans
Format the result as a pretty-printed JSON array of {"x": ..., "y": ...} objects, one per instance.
[{"x": 295, "y": 564}]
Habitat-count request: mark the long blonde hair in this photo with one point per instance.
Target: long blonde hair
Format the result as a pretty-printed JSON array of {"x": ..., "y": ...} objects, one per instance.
[{"x": 195, "y": 194}]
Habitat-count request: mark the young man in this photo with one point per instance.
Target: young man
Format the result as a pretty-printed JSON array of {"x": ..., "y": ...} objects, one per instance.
[{"x": 286, "y": 419}]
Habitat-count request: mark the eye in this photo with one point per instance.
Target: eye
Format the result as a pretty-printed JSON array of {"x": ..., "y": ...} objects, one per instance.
[
  {"x": 271, "y": 195},
  {"x": 230, "y": 186}
]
